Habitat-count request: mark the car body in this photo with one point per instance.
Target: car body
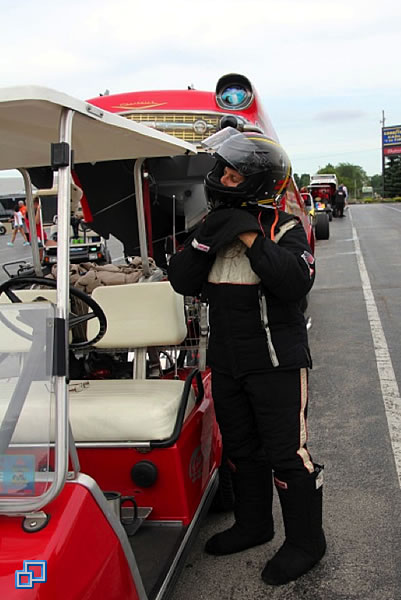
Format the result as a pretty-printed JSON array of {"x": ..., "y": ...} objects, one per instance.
[
  {"x": 175, "y": 185},
  {"x": 6, "y": 214}
]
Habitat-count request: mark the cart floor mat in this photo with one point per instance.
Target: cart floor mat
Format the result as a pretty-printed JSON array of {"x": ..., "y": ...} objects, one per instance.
[{"x": 155, "y": 546}]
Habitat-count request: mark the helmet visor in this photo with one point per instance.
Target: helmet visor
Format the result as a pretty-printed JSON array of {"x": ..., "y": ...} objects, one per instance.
[{"x": 247, "y": 153}]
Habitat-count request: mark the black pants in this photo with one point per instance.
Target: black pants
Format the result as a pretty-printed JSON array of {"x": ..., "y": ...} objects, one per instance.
[
  {"x": 265, "y": 414},
  {"x": 340, "y": 209}
]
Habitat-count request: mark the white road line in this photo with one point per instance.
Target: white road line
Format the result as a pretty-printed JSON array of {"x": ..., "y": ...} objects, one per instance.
[
  {"x": 388, "y": 382},
  {"x": 393, "y": 208}
]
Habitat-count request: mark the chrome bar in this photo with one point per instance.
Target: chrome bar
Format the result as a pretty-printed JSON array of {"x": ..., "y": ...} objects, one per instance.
[
  {"x": 63, "y": 280},
  {"x": 141, "y": 216}
]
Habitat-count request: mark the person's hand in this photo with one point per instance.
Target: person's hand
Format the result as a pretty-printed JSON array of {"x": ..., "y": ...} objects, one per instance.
[
  {"x": 223, "y": 226},
  {"x": 248, "y": 238}
]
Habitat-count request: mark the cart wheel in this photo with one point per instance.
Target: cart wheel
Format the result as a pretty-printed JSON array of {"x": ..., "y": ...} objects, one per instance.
[
  {"x": 2, "y": 230},
  {"x": 223, "y": 500},
  {"x": 322, "y": 230}
]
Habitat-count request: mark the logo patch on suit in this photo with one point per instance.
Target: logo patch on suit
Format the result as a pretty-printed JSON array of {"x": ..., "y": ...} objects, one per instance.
[{"x": 310, "y": 262}]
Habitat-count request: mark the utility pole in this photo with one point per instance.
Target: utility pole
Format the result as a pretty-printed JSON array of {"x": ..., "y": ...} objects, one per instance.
[{"x": 383, "y": 122}]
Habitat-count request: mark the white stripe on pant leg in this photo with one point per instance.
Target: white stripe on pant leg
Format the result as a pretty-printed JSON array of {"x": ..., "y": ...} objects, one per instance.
[
  {"x": 303, "y": 437},
  {"x": 388, "y": 381}
]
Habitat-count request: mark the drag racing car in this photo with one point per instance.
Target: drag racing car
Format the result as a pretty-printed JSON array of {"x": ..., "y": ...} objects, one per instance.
[
  {"x": 103, "y": 480},
  {"x": 323, "y": 188},
  {"x": 173, "y": 188},
  {"x": 318, "y": 216}
]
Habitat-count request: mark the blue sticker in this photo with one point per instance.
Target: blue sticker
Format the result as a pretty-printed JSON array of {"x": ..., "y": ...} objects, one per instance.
[{"x": 17, "y": 474}]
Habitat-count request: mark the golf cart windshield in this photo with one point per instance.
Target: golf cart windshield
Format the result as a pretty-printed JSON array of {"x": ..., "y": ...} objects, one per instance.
[{"x": 27, "y": 403}]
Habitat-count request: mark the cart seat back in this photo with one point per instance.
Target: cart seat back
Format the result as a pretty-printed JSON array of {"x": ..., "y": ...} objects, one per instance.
[
  {"x": 140, "y": 315},
  {"x": 8, "y": 338}
]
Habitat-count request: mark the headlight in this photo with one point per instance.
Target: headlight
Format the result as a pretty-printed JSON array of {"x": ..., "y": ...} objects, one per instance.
[{"x": 92, "y": 256}]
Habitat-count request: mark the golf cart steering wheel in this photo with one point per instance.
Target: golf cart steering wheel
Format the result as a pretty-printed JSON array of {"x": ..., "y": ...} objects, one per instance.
[{"x": 73, "y": 319}]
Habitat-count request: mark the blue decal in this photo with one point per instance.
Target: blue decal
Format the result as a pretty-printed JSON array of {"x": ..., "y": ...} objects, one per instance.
[{"x": 26, "y": 578}]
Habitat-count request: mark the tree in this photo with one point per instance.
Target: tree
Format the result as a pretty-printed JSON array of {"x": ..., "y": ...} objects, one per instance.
[
  {"x": 376, "y": 181},
  {"x": 329, "y": 168},
  {"x": 392, "y": 176},
  {"x": 305, "y": 180},
  {"x": 302, "y": 181}
]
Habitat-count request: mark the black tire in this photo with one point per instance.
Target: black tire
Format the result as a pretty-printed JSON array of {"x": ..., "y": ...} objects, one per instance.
[
  {"x": 322, "y": 227},
  {"x": 223, "y": 500},
  {"x": 2, "y": 230}
]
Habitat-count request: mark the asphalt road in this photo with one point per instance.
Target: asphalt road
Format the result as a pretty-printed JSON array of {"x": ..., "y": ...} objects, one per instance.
[
  {"x": 348, "y": 432},
  {"x": 354, "y": 404}
]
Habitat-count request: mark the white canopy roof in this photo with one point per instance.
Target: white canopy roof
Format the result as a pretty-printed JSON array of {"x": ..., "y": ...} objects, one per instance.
[{"x": 29, "y": 123}]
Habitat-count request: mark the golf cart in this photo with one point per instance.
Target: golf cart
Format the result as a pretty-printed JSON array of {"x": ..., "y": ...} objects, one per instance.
[
  {"x": 86, "y": 246},
  {"x": 103, "y": 482}
]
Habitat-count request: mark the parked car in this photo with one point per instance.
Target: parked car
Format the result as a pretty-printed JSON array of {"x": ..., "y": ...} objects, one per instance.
[{"x": 6, "y": 214}]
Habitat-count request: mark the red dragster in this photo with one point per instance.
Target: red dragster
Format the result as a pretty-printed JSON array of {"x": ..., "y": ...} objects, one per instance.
[{"x": 176, "y": 184}]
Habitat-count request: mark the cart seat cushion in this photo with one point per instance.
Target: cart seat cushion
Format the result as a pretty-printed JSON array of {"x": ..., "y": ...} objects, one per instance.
[
  {"x": 140, "y": 315},
  {"x": 123, "y": 410}
]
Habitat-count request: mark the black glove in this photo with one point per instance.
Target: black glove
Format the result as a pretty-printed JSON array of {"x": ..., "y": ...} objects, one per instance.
[{"x": 221, "y": 227}]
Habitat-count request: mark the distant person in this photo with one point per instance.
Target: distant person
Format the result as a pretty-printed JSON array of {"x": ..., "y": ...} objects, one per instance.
[
  {"x": 40, "y": 232},
  {"x": 23, "y": 210},
  {"x": 345, "y": 189},
  {"x": 339, "y": 201},
  {"x": 18, "y": 227}
]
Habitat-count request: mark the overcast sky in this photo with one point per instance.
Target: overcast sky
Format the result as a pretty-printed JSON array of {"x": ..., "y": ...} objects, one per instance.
[{"x": 324, "y": 69}]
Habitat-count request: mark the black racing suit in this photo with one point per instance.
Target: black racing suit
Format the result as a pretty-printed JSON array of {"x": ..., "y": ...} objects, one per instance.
[{"x": 258, "y": 347}]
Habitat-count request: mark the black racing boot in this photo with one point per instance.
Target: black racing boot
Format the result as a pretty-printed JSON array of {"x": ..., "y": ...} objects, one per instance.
[
  {"x": 253, "y": 489},
  {"x": 305, "y": 544}
]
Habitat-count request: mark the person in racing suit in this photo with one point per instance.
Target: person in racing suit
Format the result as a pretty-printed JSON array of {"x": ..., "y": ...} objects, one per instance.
[{"x": 254, "y": 265}]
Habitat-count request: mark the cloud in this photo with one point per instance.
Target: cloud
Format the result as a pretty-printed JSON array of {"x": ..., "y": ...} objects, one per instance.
[
  {"x": 315, "y": 64},
  {"x": 339, "y": 115}
]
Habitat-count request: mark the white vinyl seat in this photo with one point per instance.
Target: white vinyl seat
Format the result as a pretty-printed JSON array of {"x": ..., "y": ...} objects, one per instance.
[
  {"x": 102, "y": 410},
  {"x": 139, "y": 315}
]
